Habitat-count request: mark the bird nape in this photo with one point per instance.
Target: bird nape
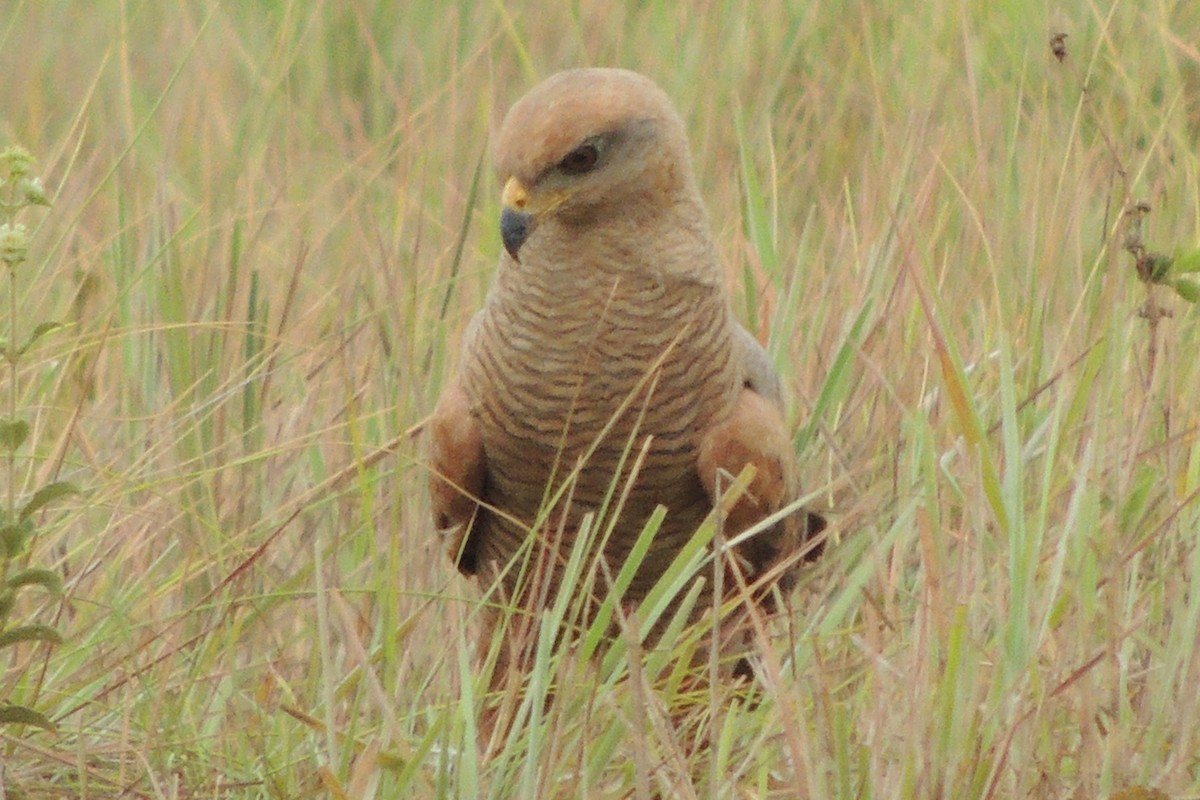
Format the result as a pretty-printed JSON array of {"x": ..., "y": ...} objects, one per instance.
[{"x": 605, "y": 376}]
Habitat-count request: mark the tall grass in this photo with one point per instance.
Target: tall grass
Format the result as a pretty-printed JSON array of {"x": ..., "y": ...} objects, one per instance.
[{"x": 270, "y": 226}]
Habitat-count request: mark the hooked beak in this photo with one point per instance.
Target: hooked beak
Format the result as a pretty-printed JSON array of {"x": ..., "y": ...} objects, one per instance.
[{"x": 515, "y": 222}]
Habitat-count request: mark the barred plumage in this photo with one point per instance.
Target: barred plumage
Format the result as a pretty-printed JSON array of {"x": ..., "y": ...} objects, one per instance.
[{"x": 608, "y": 323}]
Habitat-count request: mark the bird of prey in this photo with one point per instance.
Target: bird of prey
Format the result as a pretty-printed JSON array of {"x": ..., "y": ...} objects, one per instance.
[{"x": 605, "y": 373}]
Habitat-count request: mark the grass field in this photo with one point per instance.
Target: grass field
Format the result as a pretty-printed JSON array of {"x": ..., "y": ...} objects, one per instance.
[{"x": 270, "y": 224}]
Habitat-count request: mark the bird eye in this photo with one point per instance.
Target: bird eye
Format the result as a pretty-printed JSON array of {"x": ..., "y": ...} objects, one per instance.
[{"x": 581, "y": 160}]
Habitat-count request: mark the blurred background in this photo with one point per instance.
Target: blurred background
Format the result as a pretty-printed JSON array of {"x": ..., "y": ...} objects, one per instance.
[{"x": 271, "y": 222}]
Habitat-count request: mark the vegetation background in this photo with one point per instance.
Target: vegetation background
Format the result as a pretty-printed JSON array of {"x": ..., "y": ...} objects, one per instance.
[{"x": 271, "y": 223}]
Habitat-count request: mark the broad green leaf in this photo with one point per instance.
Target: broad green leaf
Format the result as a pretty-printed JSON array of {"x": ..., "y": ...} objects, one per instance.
[
  {"x": 30, "y": 633},
  {"x": 1188, "y": 290},
  {"x": 20, "y": 715},
  {"x": 37, "y": 333},
  {"x": 13, "y": 433},
  {"x": 37, "y": 576},
  {"x": 1188, "y": 261},
  {"x": 1160, "y": 267},
  {"x": 14, "y": 536},
  {"x": 46, "y": 495}
]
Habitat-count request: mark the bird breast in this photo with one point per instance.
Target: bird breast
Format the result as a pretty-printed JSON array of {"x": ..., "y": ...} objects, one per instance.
[{"x": 581, "y": 369}]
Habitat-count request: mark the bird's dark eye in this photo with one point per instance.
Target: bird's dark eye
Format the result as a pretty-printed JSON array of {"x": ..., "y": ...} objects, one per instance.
[{"x": 581, "y": 160}]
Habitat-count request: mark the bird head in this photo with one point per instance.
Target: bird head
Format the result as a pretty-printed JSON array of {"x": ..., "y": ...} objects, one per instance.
[{"x": 590, "y": 146}]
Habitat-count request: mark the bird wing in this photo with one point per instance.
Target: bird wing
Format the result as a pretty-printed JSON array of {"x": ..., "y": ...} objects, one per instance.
[
  {"x": 756, "y": 433},
  {"x": 760, "y": 374},
  {"x": 458, "y": 472}
]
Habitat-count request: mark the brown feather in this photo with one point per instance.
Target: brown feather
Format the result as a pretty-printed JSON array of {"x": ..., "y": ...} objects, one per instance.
[{"x": 612, "y": 332}]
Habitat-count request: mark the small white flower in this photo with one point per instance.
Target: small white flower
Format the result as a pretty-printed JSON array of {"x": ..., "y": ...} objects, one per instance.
[
  {"x": 34, "y": 192},
  {"x": 14, "y": 243},
  {"x": 19, "y": 160}
]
